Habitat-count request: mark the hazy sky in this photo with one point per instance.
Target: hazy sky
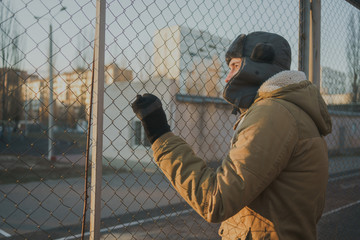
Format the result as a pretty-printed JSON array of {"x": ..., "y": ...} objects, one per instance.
[{"x": 132, "y": 23}]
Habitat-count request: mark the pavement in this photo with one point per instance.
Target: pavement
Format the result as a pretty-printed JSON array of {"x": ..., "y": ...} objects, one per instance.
[
  {"x": 34, "y": 206},
  {"x": 54, "y": 207}
]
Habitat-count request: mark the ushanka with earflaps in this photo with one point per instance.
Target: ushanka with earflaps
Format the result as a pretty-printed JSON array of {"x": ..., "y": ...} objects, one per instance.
[{"x": 263, "y": 55}]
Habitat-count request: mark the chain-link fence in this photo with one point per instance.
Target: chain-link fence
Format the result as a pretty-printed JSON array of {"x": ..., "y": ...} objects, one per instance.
[
  {"x": 175, "y": 50},
  {"x": 340, "y": 63}
]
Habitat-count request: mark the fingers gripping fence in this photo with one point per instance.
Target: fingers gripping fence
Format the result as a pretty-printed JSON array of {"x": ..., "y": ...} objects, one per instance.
[{"x": 174, "y": 50}]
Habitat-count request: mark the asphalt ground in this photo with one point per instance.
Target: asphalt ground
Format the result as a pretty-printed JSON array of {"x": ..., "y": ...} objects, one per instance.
[
  {"x": 340, "y": 220},
  {"x": 177, "y": 221}
]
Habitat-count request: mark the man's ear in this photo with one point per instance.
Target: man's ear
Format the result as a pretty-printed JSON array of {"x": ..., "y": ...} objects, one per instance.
[{"x": 263, "y": 52}]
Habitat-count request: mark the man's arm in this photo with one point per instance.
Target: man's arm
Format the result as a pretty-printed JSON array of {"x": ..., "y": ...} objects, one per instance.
[{"x": 263, "y": 146}]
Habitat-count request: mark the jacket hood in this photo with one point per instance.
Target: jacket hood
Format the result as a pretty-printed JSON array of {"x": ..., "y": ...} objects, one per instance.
[{"x": 293, "y": 86}]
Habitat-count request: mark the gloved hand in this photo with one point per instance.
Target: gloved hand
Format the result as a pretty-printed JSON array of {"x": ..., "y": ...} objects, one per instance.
[{"x": 148, "y": 109}]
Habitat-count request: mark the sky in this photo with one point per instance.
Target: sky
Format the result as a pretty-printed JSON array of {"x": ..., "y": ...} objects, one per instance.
[{"x": 130, "y": 26}]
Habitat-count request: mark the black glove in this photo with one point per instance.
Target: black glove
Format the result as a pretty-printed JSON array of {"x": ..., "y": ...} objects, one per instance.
[{"x": 148, "y": 109}]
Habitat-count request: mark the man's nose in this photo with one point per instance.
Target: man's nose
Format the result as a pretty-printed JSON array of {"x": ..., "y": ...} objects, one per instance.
[{"x": 228, "y": 77}]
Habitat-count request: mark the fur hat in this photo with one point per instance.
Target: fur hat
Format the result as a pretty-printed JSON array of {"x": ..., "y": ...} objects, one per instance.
[{"x": 263, "y": 55}]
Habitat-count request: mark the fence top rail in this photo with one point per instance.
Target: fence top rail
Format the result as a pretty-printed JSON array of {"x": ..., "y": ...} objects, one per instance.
[{"x": 344, "y": 113}]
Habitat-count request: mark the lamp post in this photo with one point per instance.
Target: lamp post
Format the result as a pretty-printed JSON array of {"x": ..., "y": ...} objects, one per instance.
[
  {"x": 51, "y": 97},
  {"x": 26, "y": 108},
  {"x": 51, "y": 88}
]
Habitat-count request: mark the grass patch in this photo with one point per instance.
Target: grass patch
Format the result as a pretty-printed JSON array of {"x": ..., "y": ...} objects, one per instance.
[
  {"x": 21, "y": 169},
  {"x": 79, "y": 139}
]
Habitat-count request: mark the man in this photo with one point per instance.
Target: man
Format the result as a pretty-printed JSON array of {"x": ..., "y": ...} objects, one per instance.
[{"x": 272, "y": 183}]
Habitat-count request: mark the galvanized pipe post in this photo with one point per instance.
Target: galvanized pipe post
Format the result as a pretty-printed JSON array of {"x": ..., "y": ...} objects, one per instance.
[
  {"x": 97, "y": 127},
  {"x": 309, "y": 39}
]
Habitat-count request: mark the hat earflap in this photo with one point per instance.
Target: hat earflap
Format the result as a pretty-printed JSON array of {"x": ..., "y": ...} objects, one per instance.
[{"x": 263, "y": 52}]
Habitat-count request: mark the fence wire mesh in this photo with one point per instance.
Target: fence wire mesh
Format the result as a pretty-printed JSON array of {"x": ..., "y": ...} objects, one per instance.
[
  {"x": 340, "y": 49},
  {"x": 175, "y": 50}
]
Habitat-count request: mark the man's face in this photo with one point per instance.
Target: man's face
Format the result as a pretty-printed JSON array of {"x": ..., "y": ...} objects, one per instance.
[{"x": 234, "y": 66}]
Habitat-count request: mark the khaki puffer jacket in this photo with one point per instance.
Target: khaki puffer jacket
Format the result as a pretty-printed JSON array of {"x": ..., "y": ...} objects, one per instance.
[{"x": 272, "y": 183}]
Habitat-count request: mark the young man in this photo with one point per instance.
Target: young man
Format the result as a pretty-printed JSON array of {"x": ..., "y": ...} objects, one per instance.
[{"x": 272, "y": 183}]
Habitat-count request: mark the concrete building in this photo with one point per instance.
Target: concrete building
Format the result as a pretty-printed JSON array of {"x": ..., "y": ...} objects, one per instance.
[
  {"x": 72, "y": 89},
  {"x": 204, "y": 122},
  {"x": 335, "y": 88},
  {"x": 337, "y": 99},
  {"x": 33, "y": 97},
  {"x": 193, "y": 58},
  {"x": 345, "y": 135},
  {"x": 71, "y": 92},
  {"x": 333, "y": 81},
  {"x": 188, "y": 77},
  {"x": 124, "y": 142}
]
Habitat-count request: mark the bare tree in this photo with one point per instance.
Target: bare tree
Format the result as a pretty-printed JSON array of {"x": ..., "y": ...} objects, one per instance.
[
  {"x": 84, "y": 47},
  {"x": 353, "y": 54},
  {"x": 83, "y": 64},
  {"x": 10, "y": 58}
]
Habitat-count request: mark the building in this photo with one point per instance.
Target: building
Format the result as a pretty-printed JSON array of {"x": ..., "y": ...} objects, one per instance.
[
  {"x": 124, "y": 141},
  {"x": 334, "y": 87},
  {"x": 337, "y": 99},
  {"x": 35, "y": 95},
  {"x": 189, "y": 78},
  {"x": 193, "y": 58},
  {"x": 333, "y": 81},
  {"x": 71, "y": 94},
  {"x": 113, "y": 73}
]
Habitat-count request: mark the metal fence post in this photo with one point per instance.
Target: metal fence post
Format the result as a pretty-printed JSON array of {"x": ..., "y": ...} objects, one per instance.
[
  {"x": 309, "y": 50},
  {"x": 97, "y": 128}
]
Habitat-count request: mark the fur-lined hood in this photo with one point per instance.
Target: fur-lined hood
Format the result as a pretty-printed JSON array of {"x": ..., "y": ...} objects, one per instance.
[
  {"x": 282, "y": 79},
  {"x": 293, "y": 86}
]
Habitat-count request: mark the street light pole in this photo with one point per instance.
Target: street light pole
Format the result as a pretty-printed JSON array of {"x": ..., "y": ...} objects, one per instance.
[
  {"x": 26, "y": 108},
  {"x": 51, "y": 98},
  {"x": 51, "y": 89}
]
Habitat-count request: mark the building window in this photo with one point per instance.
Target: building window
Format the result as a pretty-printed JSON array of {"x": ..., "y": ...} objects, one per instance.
[{"x": 140, "y": 138}]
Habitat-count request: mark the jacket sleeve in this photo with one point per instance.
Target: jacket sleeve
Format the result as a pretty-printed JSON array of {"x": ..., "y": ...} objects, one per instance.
[{"x": 261, "y": 149}]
